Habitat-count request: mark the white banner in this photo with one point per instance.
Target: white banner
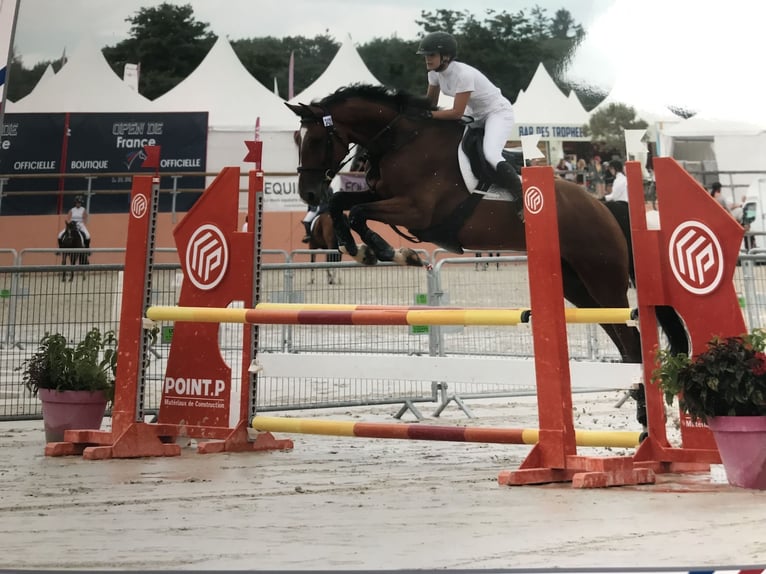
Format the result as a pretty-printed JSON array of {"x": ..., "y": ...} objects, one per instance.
[{"x": 281, "y": 193}]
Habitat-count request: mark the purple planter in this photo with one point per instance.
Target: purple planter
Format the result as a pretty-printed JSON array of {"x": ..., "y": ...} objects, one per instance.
[
  {"x": 742, "y": 444},
  {"x": 71, "y": 410}
]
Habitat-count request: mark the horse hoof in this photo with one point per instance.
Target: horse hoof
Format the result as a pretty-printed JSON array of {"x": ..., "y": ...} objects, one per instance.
[
  {"x": 406, "y": 256},
  {"x": 349, "y": 249},
  {"x": 365, "y": 255}
]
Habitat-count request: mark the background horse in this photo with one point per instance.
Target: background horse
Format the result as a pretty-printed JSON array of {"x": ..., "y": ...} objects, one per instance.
[
  {"x": 418, "y": 185},
  {"x": 323, "y": 237},
  {"x": 72, "y": 239}
]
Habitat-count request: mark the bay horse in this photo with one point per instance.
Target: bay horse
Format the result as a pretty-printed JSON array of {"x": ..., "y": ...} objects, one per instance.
[
  {"x": 416, "y": 183},
  {"x": 72, "y": 239},
  {"x": 323, "y": 237}
]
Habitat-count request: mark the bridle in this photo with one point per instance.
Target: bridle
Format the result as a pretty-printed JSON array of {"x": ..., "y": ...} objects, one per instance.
[{"x": 330, "y": 167}]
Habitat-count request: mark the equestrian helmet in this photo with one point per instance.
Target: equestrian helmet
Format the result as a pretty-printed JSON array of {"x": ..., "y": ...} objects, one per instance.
[
  {"x": 441, "y": 42},
  {"x": 78, "y": 198}
]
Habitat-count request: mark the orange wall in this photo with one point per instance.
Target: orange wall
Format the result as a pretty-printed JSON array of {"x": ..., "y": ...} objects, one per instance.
[{"x": 281, "y": 230}]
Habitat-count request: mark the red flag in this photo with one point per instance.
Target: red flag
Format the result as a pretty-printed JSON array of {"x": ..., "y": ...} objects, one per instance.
[
  {"x": 291, "y": 77},
  {"x": 254, "y": 152},
  {"x": 152, "y": 156}
]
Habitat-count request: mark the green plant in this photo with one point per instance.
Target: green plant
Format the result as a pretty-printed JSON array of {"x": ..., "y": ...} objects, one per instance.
[
  {"x": 727, "y": 379},
  {"x": 88, "y": 366}
]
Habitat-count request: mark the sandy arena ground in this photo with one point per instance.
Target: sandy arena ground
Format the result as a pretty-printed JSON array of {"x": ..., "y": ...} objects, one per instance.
[{"x": 351, "y": 503}]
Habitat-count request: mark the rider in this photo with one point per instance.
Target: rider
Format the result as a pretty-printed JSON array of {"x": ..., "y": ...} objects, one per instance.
[
  {"x": 79, "y": 215},
  {"x": 475, "y": 95}
]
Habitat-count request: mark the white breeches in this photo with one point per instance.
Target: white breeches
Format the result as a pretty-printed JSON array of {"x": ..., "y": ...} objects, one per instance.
[
  {"x": 81, "y": 227},
  {"x": 498, "y": 129}
]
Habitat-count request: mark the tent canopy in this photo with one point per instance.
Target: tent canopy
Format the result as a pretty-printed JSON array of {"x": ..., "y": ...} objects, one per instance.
[
  {"x": 224, "y": 88},
  {"x": 544, "y": 103},
  {"x": 347, "y": 67},
  {"x": 85, "y": 83}
]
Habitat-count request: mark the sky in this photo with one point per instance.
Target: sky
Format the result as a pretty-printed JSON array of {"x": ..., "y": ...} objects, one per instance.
[
  {"x": 696, "y": 55},
  {"x": 45, "y": 27}
]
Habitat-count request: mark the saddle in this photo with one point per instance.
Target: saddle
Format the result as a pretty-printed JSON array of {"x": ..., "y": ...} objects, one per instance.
[{"x": 484, "y": 173}]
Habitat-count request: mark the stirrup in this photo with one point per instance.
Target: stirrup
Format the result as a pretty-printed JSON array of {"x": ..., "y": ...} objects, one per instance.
[{"x": 306, "y": 238}]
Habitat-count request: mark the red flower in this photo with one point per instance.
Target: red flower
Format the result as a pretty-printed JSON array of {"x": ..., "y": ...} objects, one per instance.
[{"x": 759, "y": 364}]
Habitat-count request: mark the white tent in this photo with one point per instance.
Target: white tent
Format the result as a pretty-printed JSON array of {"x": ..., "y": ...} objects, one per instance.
[
  {"x": 234, "y": 100},
  {"x": 347, "y": 67},
  {"x": 224, "y": 88},
  {"x": 700, "y": 126},
  {"x": 543, "y": 109},
  {"x": 543, "y": 103},
  {"x": 731, "y": 145},
  {"x": 85, "y": 83}
]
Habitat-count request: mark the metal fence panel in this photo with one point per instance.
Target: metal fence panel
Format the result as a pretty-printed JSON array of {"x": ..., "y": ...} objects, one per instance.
[{"x": 34, "y": 300}]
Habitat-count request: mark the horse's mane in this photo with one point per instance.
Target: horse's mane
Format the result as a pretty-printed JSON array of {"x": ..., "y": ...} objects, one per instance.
[{"x": 397, "y": 99}]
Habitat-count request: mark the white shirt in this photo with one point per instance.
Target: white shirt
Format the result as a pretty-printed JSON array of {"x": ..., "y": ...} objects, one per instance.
[
  {"x": 619, "y": 188},
  {"x": 459, "y": 77},
  {"x": 78, "y": 214}
]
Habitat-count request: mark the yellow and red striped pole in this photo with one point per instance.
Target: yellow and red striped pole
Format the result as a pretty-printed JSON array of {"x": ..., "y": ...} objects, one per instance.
[
  {"x": 297, "y": 314},
  {"x": 419, "y": 431}
]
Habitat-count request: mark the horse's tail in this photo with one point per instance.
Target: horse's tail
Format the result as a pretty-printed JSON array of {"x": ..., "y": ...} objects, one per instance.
[{"x": 670, "y": 322}]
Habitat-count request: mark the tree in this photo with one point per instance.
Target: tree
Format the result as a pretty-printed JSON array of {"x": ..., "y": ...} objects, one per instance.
[
  {"x": 607, "y": 128},
  {"x": 509, "y": 46},
  {"x": 168, "y": 43},
  {"x": 394, "y": 63},
  {"x": 269, "y": 58}
]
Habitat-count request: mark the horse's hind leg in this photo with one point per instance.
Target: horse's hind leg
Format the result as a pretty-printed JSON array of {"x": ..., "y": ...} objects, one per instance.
[{"x": 626, "y": 339}]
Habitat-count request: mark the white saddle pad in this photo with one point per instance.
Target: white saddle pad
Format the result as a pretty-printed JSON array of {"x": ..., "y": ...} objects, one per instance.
[{"x": 494, "y": 193}]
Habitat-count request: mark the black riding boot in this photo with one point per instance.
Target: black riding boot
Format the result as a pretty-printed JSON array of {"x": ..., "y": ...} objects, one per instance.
[
  {"x": 307, "y": 237},
  {"x": 510, "y": 180}
]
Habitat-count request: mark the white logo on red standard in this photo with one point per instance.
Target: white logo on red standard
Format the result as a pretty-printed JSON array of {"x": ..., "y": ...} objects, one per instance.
[
  {"x": 696, "y": 257},
  {"x": 533, "y": 199},
  {"x": 207, "y": 257},
  {"x": 139, "y": 206}
]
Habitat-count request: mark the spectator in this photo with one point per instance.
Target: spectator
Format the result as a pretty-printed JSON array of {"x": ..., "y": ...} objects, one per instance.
[
  {"x": 620, "y": 184},
  {"x": 735, "y": 209},
  {"x": 596, "y": 176}
]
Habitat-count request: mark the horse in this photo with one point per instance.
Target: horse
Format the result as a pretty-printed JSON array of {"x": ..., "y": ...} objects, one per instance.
[
  {"x": 72, "y": 239},
  {"x": 323, "y": 237},
  {"x": 416, "y": 183}
]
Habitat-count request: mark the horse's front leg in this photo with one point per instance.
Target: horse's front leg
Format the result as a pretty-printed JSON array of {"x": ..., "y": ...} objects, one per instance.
[
  {"x": 397, "y": 211},
  {"x": 340, "y": 202}
]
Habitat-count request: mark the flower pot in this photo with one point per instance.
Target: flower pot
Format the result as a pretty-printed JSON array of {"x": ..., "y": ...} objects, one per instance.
[
  {"x": 742, "y": 445},
  {"x": 63, "y": 410}
]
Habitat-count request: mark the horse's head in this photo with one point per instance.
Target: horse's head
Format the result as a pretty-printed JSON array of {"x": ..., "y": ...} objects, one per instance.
[
  {"x": 362, "y": 114},
  {"x": 322, "y": 149}
]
